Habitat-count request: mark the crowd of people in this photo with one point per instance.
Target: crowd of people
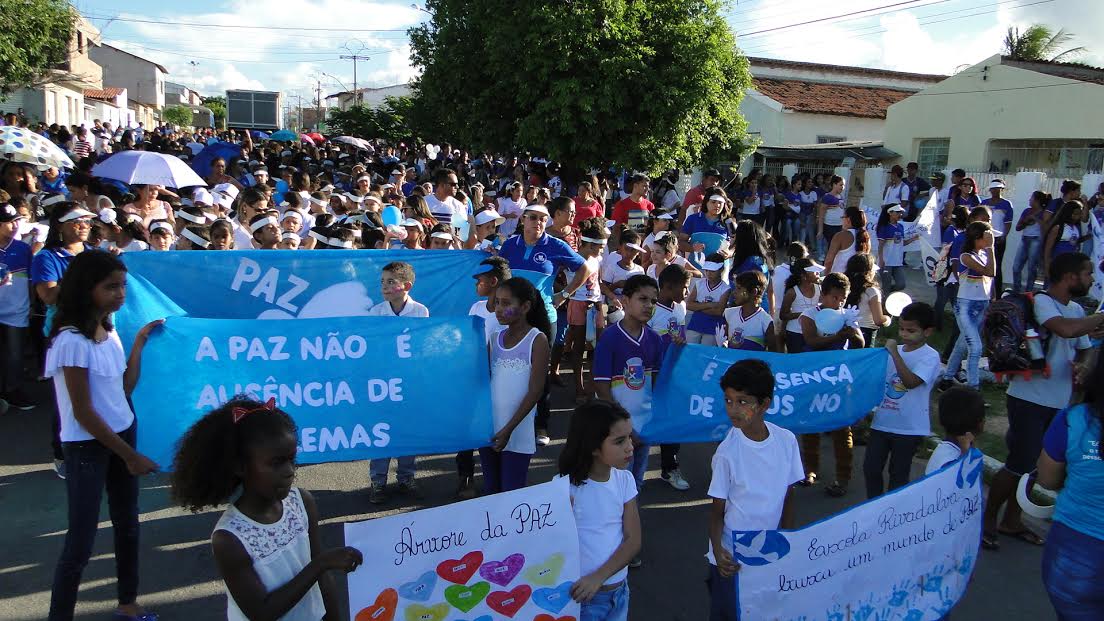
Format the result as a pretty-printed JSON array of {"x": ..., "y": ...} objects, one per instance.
[{"x": 738, "y": 262}]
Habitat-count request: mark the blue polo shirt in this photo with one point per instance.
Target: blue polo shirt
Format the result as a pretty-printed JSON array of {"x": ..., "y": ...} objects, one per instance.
[
  {"x": 48, "y": 266},
  {"x": 700, "y": 223},
  {"x": 544, "y": 257},
  {"x": 15, "y": 302}
]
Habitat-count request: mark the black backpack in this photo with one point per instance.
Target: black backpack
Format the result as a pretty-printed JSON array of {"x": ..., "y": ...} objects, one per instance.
[{"x": 1004, "y": 334}]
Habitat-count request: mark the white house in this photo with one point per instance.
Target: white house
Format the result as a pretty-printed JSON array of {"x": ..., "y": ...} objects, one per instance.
[
  {"x": 108, "y": 105},
  {"x": 180, "y": 95},
  {"x": 143, "y": 79},
  {"x": 1002, "y": 116},
  {"x": 370, "y": 97}
]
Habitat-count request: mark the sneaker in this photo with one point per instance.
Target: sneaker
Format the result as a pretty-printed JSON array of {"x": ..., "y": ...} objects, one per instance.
[
  {"x": 635, "y": 563},
  {"x": 675, "y": 478},
  {"x": 410, "y": 488},
  {"x": 16, "y": 399},
  {"x": 378, "y": 494},
  {"x": 59, "y": 468},
  {"x": 542, "y": 438},
  {"x": 960, "y": 377},
  {"x": 466, "y": 490},
  {"x": 944, "y": 384}
]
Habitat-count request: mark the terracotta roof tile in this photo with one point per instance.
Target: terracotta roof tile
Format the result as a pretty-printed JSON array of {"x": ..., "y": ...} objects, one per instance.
[
  {"x": 868, "y": 102},
  {"x": 106, "y": 94}
]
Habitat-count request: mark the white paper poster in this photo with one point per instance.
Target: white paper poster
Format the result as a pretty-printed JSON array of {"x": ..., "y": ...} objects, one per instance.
[
  {"x": 513, "y": 555},
  {"x": 907, "y": 555}
]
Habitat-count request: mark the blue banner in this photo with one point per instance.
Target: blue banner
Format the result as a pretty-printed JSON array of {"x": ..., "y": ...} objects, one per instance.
[
  {"x": 813, "y": 392},
  {"x": 358, "y": 388},
  {"x": 289, "y": 284},
  {"x": 904, "y": 556}
]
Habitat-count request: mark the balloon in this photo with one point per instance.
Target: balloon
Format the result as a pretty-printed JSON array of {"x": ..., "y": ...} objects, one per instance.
[
  {"x": 1030, "y": 508},
  {"x": 896, "y": 302},
  {"x": 712, "y": 241},
  {"x": 391, "y": 216},
  {"x": 460, "y": 223},
  {"x": 615, "y": 316},
  {"x": 829, "y": 321}
]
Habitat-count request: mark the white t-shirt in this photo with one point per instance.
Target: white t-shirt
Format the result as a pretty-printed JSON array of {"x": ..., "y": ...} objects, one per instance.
[
  {"x": 676, "y": 260},
  {"x": 490, "y": 321},
  {"x": 667, "y": 319},
  {"x": 943, "y": 454},
  {"x": 753, "y": 328},
  {"x": 599, "y": 508},
  {"x": 904, "y": 410},
  {"x": 613, "y": 272},
  {"x": 444, "y": 210},
  {"x": 510, "y": 210},
  {"x": 106, "y": 364},
  {"x": 973, "y": 286},
  {"x": 896, "y": 194},
  {"x": 1053, "y": 391},
  {"x": 753, "y": 479},
  {"x": 410, "y": 309},
  {"x": 591, "y": 290},
  {"x": 778, "y": 278}
]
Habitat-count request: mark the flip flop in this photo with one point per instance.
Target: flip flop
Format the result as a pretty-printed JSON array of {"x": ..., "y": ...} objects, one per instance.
[
  {"x": 145, "y": 616},
  {"x": 989, "y": 541},
  {"x": 836, "y": 490},
  {"x": 1024, "y": 535}
]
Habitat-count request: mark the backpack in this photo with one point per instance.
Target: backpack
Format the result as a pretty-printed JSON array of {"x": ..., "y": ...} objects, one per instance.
[{"x": 1004, "y": 334}]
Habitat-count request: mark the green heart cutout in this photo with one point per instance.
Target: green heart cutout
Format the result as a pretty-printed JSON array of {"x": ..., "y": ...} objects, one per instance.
[{"x": 465, "y": 598}]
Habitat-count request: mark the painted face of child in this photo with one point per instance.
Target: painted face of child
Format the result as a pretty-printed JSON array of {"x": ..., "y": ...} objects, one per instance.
[
  {"x": 641, "y": 304},
  {"x": 911, "y": 333},
  {"x": 742, "y": 408},
  {"x": 392, "y": 288},
  {"x": 485, "y": 286},
  {"x": 508, "y": 309}
]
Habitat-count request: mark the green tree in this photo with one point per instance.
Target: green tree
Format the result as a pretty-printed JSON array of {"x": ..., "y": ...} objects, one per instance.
[
  {"x": 177, "y": 115},
  {"x": 217, "y": 106},
  {"x": 1039, "y": 43},
  {"x": 390, "y": 120},
  {"x": 646, "y": 84},
  {"x": 34, "y": 40}
]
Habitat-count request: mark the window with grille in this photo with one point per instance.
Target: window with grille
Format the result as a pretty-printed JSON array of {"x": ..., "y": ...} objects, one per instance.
[
  {"x": 827, "y": 139},
  {"x": 932, "y": 155}
]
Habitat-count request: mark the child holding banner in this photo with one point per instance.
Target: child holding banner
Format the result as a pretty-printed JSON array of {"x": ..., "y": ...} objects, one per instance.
[
  {"x": 902, "y": 420},
  {"x": 962, "y": 416},
  {"x": 519, "y": 369},
  {"x": 266, "y": 543},
  {"x": 753, "y": 471},
  {"x": 669, "y": 321},
  {"x": 603, "y": 498}
]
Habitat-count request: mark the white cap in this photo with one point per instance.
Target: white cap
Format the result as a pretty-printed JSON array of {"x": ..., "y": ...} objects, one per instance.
[
  {"x": 488, "y": 215},
  {"x": 441, "y": 235},
  {"x": 815, "y": 268},
  {"x": 413, "y": 222},
  {"x": 896, "y": 207},
  {"x": 227, "y": 189},
  {"x": 541, "y": 209},
  {"x": 996, "y": 183},
  {"x": 201, "y": 195},
  {"x": 77, "y": 213}
]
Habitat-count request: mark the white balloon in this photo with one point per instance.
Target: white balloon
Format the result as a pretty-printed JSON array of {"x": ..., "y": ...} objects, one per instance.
[{"x": 896, "y": 302}]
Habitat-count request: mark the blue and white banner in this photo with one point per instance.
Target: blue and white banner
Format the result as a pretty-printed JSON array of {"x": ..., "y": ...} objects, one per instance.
[
  {"x": 288, "y": 284},
  {"x": 906, "y": 555},
  {"x": 813, "y": 392},
  {"x": 358, "y": 388}
]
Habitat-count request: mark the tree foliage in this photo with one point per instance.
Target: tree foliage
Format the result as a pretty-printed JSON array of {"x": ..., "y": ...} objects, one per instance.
[
  {"x": 217, "y": 106},
  {"x": 34, "y": 38},
  {"x": 646, "y": 84},
  {"x": 177, "y": 115},
  {"x": 1039, "y": 43},
  {"x": 391, "y": 120}
]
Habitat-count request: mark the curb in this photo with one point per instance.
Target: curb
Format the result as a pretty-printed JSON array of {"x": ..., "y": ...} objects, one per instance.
[{"x": 992, "y": 466}]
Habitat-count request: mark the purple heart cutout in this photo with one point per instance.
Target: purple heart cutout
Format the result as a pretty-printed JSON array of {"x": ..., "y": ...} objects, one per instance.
[{"x": 504, "y": 571}]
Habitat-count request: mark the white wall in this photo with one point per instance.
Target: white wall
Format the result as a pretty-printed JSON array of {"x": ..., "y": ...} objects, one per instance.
[
  {"x": 142, "y": 79},
  {"x": 990, "y": 101},
  {"x": 803, "y": 128}
]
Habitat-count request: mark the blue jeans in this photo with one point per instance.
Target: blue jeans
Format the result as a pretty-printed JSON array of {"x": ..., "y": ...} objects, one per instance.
[
  {"x": 968, "y": 315},
  {"x": 503, "y": 471},
  {"x": 90, "y": 469},
  {"x": 808, "y": 228},
  {"x": 607, "y": 605},
  {"x": 640, "y": 464},
  {"x": 1072, "y": 565},
  {"x": 893, "y": 279},
  {"x": 724, "y": 604},
  {"x": 790, "y": 227},
  {"x": 1028, "y": 254},
  {"x": 945, "y": 292},
  {"x": 377, "y": 469}
]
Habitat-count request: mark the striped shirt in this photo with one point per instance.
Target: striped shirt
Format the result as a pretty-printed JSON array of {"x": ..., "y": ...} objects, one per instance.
[{"x": 81, "y": 148}]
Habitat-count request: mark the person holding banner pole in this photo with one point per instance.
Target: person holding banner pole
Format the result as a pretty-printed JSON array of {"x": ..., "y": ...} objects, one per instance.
[
  {"x": 519, "y": 372},
  {"x": 1001, "y": 221},
  {"x": 1031, "y": 242},
  {"x": 754, "y": 469}
]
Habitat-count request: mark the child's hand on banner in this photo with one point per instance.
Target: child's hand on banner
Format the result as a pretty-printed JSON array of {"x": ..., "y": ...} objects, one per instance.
[
  {"x": 585, "y": 588},
  {"x": 725, "y": 565}
]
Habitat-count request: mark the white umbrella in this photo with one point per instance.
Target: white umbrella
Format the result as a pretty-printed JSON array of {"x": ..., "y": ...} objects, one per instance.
[
  {"x": 145, "y": 168},
  {"x": 19, "y": 144},
  {"x": 359, "y": 143}
]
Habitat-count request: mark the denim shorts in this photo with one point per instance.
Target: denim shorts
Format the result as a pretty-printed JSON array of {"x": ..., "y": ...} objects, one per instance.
[
  {"x": 1072, "y": 565},
  {"x": 607, "y": 605}
]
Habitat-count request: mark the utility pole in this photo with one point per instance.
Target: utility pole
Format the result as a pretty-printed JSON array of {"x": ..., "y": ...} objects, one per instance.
[
  {"x": 354, "y": 56},
  {"x": 318, "y": 106}
]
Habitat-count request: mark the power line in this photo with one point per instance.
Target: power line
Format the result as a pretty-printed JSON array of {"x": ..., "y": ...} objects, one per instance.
[
  {"x": 240, "y": 26},
  {"x": 824, "y": 19},
  {"x": 1010, "y": 88}
]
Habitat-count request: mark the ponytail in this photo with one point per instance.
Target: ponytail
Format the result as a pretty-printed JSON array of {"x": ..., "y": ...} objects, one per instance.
[{"x": 524, "y": 291}]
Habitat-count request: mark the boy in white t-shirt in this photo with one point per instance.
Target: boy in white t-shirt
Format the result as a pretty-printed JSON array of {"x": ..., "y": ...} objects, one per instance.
[
  {"x": 669, "y": 321},
  {"x": 754, "y": 469},
  {"x": 962, "y": 416},
  {"x": 396, "y": 281},
  {"x": 902, "y": 420}
]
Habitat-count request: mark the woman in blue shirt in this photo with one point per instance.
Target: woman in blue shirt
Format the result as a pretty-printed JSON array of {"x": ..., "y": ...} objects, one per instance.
[
  {"x": 751, "y": 253},
  {"x": 713, "y": 218},
  {"x": 1073, "y": 559}
]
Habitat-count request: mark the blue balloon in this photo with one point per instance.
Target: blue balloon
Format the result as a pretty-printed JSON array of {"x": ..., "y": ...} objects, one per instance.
[
  {"x": 460, "y": 223},
  {"x": 712, "y": 241},
  {"x": 829, "y": 321},
  {"x": 391, "y": 216}
]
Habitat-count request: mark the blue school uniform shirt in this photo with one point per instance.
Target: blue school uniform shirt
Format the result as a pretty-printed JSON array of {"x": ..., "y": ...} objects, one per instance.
[
  {"x": 629, "y": 364},
  {"x": 892, "y": 237},
  {"x": 1073, "y": 439},
  {"x": 699, "y": 223},
  {"x": 544, "y": 257},
  {"x": 753, "y": 263},
  {"x": 48, "y": 266},
  {"x": 1002, "y": 213},
  {"x": 15, "y": 301},
  {"x": 1054, "y": 204}
]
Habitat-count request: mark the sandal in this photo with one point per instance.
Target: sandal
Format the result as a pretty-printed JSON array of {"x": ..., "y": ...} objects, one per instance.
[
  {"x": 989, "y": 541},
  {"x": 808, "y": 481},
  {"x": 836, "y": 490},
  {"x": 145, "y": 616},
  {"x": 1023, "y": 535}
]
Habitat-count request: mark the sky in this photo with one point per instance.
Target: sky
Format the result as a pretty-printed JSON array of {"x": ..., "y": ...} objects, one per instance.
[{"x": 294, "y": 46}]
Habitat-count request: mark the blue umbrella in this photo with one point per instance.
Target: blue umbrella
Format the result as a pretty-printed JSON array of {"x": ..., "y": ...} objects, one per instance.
[
  {"x": 201, "y": 163},
  {"x": 284, "y": 135},
  {"x": 259, "y": 135}
]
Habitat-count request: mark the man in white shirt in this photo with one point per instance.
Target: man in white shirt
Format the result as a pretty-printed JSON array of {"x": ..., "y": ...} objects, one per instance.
[{"x": 442, "y": 203}]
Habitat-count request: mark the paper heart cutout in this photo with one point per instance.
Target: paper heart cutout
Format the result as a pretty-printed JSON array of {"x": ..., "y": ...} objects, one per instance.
[
  {"x": 544, "y": 617},
  {"x": 465, "y": 598},
  {"x": 508, "y": 603},
  {"x": 547, "y": 572},
  {"x": 553, "y": 600},
  {"x": 418, "y": 612},
  {"x": 383, "y": 609},
  {"x": 461, "y": 570},
  {"x": 419, "y": 590},
  {"x": 481, "y": 618},
  {"x": 502, "y": 572}
]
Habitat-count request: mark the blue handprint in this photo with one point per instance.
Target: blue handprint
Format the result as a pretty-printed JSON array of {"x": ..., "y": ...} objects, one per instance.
[
  {"x": 914, "y": 615},
  {"x": 900, "y": 593},
  {"x": 933, "y": 582},
  {"x": 835, "y": 614},
  {"x": 865, "y": 612},
  {"x": 885, "y": 615},
  {"x": 947, "y": 604},
  {"x": 966, "y": 565}
]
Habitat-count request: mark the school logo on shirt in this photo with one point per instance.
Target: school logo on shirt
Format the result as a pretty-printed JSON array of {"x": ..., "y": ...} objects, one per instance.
[
  {"x": 737, "y": 337},
  {"x": 539, "y": 258},
  {"x": 634, "y": 373},
  {"x": 672, "y": 326}
]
